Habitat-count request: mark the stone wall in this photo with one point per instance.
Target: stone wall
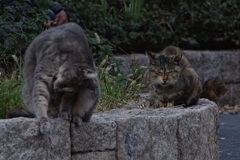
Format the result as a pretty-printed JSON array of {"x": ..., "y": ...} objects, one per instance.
[
  {"x": 208, "y": 64},
  {"x": 120, "y": 134},
  {"x": 21, "y": 140}
]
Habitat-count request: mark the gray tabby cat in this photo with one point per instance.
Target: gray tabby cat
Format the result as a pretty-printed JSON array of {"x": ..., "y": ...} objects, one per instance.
[
  {"x": 60, "y": 78},
  {"x": 171, "y": 80}
]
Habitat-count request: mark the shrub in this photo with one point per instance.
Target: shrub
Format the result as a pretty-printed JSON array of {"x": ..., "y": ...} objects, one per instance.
[
  {"x": 10, "y": 95},
  {"x": 131, "y": 25},
  {"x": 20, "y": 23}
]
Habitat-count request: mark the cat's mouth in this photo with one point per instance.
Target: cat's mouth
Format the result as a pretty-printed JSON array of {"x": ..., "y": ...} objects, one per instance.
[
  {"x": 165, "y": 84},
  {"x": 162, "y": 85}
]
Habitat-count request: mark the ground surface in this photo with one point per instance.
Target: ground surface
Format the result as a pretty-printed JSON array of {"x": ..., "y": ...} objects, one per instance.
[{"x": 229, "y": 136}]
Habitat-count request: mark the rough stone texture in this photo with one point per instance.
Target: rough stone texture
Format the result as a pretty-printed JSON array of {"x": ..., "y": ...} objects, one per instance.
[
  {"x": 192, "y": 131},
  {"x": 224, "y": 64},
  {"x": 21, "y": 139},
  {"x": 97, "y": 135},
  {"x": 138, "y": 134},
  {"x": 146, "y": 134},
  {"x": 108, "y": 155},
  {"x": 208, "y": 64},
  {"x": 147, "y": 137},
  {"x": 170, "y": 134}
]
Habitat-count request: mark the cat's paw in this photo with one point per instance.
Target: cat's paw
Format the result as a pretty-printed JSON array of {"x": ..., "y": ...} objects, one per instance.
[
  {"x": 45, "y": 126},
  {"x": 184, "y": 105},
  {"x": 77, "y": 120},
  {"x": 169, "y": 105},
  {"x": 64, "y": 115},
  {"x": 179, "y": 106},
  {"x": 158, "y": 105}
]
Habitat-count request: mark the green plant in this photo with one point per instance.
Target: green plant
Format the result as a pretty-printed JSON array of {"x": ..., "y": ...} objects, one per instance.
[
  {"x": 137, "y": 25},
  {"x": 101, "y": 50},
  {"x": 134, "y": 9},
  {"x": 20, "y": 23},
  {"x": 117, "y": 89},
  {"x": 10, "y": 95}
]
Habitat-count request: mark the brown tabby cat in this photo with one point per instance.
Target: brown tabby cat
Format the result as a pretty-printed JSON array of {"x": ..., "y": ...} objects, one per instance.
[
  {"x": 60, "y": 79},
  {"x": 171, "y": 80},
  {"x": 213, "y": 89}
]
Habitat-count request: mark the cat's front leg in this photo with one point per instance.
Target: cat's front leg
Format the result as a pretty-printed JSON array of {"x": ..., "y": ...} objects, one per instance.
[
  {"x": 155, "y": 103},
  {"x": 169, "y": 104},
  {"x": 41, "y": 98},
  {"x": 67, "y": 102}
]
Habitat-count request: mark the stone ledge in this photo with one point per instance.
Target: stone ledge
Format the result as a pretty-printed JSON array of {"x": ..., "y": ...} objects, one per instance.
[
  {"x": 21, "y": 139},
  {"x": 97, "y": 135},
  {"x": 163, "y": 133}
]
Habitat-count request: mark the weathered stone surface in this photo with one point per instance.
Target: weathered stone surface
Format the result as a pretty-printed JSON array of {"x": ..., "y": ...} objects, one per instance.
[
  {"x": 142, "y": 134},
  {"x": 21, "y": 139},
  {"x": 222, "y": 64},
  {"x": 208, "y": 64},
  {"x": 147, "y": 138},
  {"x": 196, "y": 135},
  {"x": 167, "y": 133},
  {"x": 108, "y": 155},
  {"x": 97, "y": 135}
]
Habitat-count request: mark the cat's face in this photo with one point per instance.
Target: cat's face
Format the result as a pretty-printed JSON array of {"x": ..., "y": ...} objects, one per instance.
[
  {"x": 164, "y": 70},
  {"x": 69, "y": 79}
]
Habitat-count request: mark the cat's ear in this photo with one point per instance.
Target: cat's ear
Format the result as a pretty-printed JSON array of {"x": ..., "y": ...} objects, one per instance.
[
  {"x": 89, "y": 74},
  {"x": 151, "y": 55},
  {"x": 213, "y": 81},
  {"x": 177, "y": 57}
]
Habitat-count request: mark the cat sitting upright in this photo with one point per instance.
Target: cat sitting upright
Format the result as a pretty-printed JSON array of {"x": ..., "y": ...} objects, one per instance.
[
  {"x": 171, "y": 80},
  {"x": 60, "y": 78}
]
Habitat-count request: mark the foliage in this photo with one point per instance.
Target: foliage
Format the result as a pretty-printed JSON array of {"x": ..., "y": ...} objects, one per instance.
[
  {"x": 134, "y": 9},
  {"x": 100, "y": 49},
  {"x": 117, "y": 89},
  {"x": 137, "y": 25},
  {"x": 127, "y": 25},
  {"x": 20, "y": 23},
  {"x": 10, "y": 95}
]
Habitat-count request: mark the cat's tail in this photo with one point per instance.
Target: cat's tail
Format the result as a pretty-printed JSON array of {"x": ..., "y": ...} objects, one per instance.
[
  {"x": 214, "y": 89},
  {"x": 20, "y": 113}
]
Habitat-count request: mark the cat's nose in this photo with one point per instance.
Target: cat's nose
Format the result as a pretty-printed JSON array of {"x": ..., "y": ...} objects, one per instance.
[{"x": 164, "y": 79}]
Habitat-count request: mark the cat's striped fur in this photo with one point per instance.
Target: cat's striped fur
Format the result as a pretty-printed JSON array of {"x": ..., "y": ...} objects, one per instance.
[
  {"x": 171, "y": 80},
  {"x": 60, "y": 78}
]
